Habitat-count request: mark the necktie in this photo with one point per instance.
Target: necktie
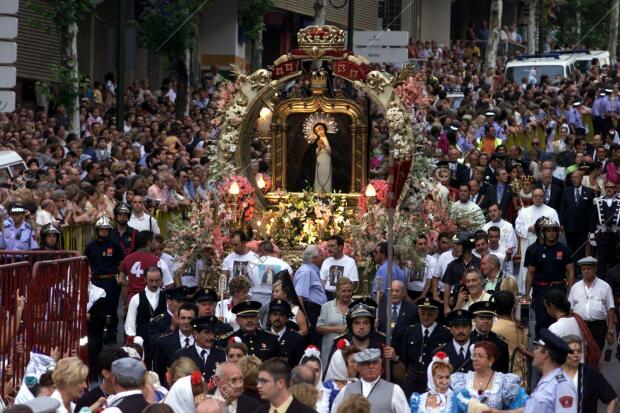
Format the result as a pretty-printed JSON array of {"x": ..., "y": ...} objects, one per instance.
[
  {"x": 462, "y": 354},
  {"x": 576, "y": 196},
  {"x": 186, "y": 342},
  {"x": 425, "y": 334},
  {"x": 500, "y": 192},
  {"x": 394, "y": 313},
  {"x": 203, "y": 355},
  {"x": 547, "y": 195}
]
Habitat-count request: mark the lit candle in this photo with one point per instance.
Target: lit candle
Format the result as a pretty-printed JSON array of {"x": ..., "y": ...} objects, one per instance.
[
  {"x": 260, "y": 182},
  {"x": 371, "y": 191},
  {"x": 234, "y": 188}
]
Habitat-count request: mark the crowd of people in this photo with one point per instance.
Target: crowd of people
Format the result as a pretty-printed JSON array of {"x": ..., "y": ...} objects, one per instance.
[{"x": 539, "y": 230}]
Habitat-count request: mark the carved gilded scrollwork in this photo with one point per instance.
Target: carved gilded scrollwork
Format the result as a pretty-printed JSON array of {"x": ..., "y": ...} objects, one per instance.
[
  {"x": 376, "y": 81},
  {"x": 259, "y": 78}
]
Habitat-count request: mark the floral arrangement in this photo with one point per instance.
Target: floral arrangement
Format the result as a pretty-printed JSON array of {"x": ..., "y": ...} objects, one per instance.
[
  {"x": 243, "y": 204},
  {"x": 202, "y": 233},
  {"x": 381, "y": 188},
  {"x": 413, "y": 93},
  {"x": 301, "y": 220},
  {"x": 398, "y": 121}
]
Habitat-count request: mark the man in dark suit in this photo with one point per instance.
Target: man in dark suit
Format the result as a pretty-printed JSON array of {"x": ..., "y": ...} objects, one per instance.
[
  {"x": 575, "y": 212},
  {"x": 553, "y": 192},
  {"x": 498, "y": 160},
  {"x": 229, "y": 381},
  {"x": 484, "y": 313},
  {"x": 291, "y": 343},
  {"x": 460, "y": 172},
  {"x": 419, "y": 344},
  {"x": 274, "y": 377},
  {"x": 167, "y": 344},
  {"x": 203, "y": 352},
  {"x": 501, "y": 193},
  {"x": 160, "y": 324},
  {"x": 477, "y": 196},
  {"x": 404, "y": 314},
  {"x": 458, "y": 349}
]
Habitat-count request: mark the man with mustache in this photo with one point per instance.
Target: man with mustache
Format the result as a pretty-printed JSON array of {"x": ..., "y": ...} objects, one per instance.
[{"x": 203, "y": 352}]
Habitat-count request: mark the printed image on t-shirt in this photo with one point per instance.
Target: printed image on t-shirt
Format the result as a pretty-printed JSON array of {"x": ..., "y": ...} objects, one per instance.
[
  {"x": 240, "y": 268},
  {"x": 268, "y": 273},
  {"x": 414, "y": 274},
  {"x": 335, "y": 273}
]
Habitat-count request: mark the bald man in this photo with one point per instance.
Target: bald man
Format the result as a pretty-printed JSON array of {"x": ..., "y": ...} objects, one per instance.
[
  {"x": 212, "y": 405},
  {"x": 229, "y": 380}
]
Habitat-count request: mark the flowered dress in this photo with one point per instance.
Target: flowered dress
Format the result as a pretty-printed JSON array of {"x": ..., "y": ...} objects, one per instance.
[
  {"x": 504, "y": 392},
  {"x": 417, "y": 403}
]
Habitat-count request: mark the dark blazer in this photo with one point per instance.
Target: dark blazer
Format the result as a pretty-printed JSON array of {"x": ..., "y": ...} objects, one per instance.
[
  {"x": 164, "y": 349},
  {"x": 215, "y": 357},
  {"x": 460, "y": 365},
  {"x": 414, "y": 346},
  {"x": 160, "y": 324},
  {"x": 460, "y": 176},
  {"x": 503, "y": 362},
  {"x": 489, "y": 176},
  {"x": 481, "y": 200},
  {"x": 555, "y": 195},
  {"x": 247, "y": 404},
  {"x": 574, "y": 217},
  {"x": 407, "y": 316},
  {"x": 292, "y": 346},
  {"x": 377, "y": 340},
  {"x": 592, "y": 387},
  {"x": 505, "y": 202},
  {"x": 295, "y": 407}
]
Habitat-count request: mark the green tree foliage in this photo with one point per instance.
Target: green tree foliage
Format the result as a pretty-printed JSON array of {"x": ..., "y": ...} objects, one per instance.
[
  {"x": 169, "y": 27},
  {"x": 562, "y": 21},
  {"x": 251, "y": 16}
]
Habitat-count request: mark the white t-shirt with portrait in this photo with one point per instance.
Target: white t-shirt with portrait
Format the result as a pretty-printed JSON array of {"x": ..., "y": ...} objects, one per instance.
[
  {"x": 262, "y": 274},
  {"x": 237, "y": 265},
  {"x": 333, "y": 269}
]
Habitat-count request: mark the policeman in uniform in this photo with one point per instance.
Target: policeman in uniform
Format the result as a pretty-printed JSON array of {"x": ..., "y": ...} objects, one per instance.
[
  {"x": 122, "y": 232},
  {"x": 549, "y": 266},
  {"x": 17, "y": 234},
  {"x": 203, "y": 352},
  {"x": 104, "y": 257},
  {"x": 484, "y": 313},
  {"x": 361, "y": 334},
  {"x": 262, "y": 344},
  {"x": 554, "y": 392},
  {"x": 604, "y": 227},
  {"x": 50, "y": 235},
  {"x": 160, "y": 324},
  {"x": 206, "y": 299},
  {"x": 291, "y": 342},
  {"x": 458, "y": 349},
  {"x": 420, "y": 343}
]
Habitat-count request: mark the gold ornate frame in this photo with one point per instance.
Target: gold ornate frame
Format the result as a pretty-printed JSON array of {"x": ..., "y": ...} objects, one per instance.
[{"x": 318, "y": 103}]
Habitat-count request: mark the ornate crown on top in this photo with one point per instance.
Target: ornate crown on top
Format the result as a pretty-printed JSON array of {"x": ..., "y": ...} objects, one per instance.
[
  {"x": 321, "y": 37},
  {"x": 318, "y": 80}
]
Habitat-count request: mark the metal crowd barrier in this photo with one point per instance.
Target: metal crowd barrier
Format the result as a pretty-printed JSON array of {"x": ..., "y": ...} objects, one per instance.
[{"x": 56, "y": 293}]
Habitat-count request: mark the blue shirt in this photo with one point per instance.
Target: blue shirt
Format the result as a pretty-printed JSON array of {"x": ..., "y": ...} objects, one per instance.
[
  {"x": 17, "y": 238},
  {"x": 463, "y": 143},
  {"x": 555, "y": 393},
  {"x": 397, "y": 274},
  {"x": 308, "y": 284},
  {"x": 574, "y": 118},
  {"x": 600, "y": 107}
]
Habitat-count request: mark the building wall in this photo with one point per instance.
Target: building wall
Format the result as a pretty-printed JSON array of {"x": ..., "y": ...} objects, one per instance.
[
  {"x": 427, "y": 20},
  {"x": 366, "y": 12},
  {"x": 219, "y": 42}
]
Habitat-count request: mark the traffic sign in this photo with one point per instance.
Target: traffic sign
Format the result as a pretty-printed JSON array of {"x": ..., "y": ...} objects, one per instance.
[
  {"x": 8, "y": 27},
  {"x": 383, "y": 54},
  {"x": 7, "y": 101},
  {"x": 377, "y": 39},
  {"x": 8, "y": 52},
  {"x": 9, "y": 6},
  {"x": 8, "y": 75}
]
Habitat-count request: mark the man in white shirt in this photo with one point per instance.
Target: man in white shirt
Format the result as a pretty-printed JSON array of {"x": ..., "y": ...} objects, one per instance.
[
  {"x": 382, "y": 395},
  {"x": 229, "y": 381},
  {"x": 495, "y": 248},
  {"x": 508, "y": 238},
  {"x": 140, "y": 315},
  {"x": 240, "y": 261},
  {"x": 140, "y": 220},
  {"x": 336, "y": 266},
  {"x": 45, "y": 214},
  {"x": 263, "y": 273},
  {"x": 593, "y": 300},
  {"x": 467, "y": 212},
  {"x": 444, "y": 246},
  {"x": 419, "y": 280},
  {"x": 524, "y": 226}
]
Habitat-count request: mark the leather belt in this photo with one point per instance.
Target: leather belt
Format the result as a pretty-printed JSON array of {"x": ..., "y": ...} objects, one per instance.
[
  {"x": 549, "y": 283},
  {"x": 104, "y": 276}
]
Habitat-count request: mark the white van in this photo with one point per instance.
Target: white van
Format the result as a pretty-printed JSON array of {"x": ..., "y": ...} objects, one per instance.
[
  {"x": 552, "y": 65},
  {"x": 11, "y": 164},
  {"x": 583, "y": 59}
]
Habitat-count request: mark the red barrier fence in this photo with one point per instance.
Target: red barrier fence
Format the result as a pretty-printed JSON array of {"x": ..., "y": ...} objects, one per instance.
[
  {"x": 11, "y": 256},
  {"x": 56, "y": 295}
]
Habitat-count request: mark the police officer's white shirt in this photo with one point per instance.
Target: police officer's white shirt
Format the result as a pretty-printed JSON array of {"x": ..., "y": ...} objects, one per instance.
[
  {"x": 553, "y": 392},
  {"x": 144, "y": 223},
  {"x": 591, "y": 303},
  {"x": 182, "y": 339},
  {"x": 132, "y": 309},
  {"x": 349, "y": 270}
]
